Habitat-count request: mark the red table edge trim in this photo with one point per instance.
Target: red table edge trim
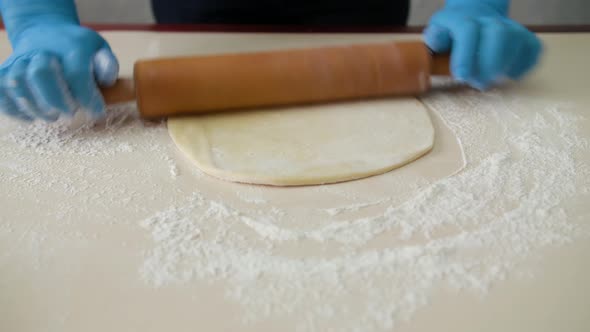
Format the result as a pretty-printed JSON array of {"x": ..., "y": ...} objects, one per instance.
[
  {"x": 299, "y": 29},
  {"x": 253, "y": 28},
  {"x": 304, "y": 29}
]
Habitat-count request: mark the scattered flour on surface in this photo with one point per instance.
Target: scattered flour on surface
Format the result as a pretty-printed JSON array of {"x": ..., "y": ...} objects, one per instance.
[
  {"x": 354, "y": 207},
  {"x": 173, "y": 167},
  {"x": 279, "y": 258},
  {"x": 251, "y": 195},
  {"x": 465, "y": 231},
  {"x": 73, "y": 173}
]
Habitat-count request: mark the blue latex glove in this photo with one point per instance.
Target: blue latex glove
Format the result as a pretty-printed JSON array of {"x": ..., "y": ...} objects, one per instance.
[
  {"x": 55, "y": 65},
  {"x": 486, "y": 46}
]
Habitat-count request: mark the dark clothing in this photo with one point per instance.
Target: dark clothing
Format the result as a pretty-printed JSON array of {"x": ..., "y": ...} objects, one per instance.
[{"x": 283, "y": 12}]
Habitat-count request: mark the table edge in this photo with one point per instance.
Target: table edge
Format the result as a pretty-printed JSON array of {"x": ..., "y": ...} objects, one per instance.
[
  {"x": 305, "y": 29},
  {"x": 579, "y": 28}
]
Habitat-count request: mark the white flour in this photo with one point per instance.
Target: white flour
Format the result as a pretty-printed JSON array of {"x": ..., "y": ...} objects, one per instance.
[
  {"x": 465, "y": 231},
  {"x": 318, "y": 256},
  {"x": 353, "y": 207}
]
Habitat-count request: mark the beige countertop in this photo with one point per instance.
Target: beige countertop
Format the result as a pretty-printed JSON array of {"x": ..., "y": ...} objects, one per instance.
[{"x": 110, "y": 228}]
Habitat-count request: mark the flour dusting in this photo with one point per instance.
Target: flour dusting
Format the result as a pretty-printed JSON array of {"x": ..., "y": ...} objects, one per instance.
[
  {"x": 465, "y": 231},
  {"x": 354, "y": 207},
  {"x": 320, "y": 256}
]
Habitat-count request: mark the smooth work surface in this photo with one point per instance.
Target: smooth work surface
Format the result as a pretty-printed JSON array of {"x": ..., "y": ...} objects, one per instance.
[{"x": 111, "y": 228}]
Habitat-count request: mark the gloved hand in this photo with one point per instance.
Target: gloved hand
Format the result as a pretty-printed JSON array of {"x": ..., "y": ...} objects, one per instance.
[
  {"x": 486, "y": 46},
  {"x": 55, "y": 65}
]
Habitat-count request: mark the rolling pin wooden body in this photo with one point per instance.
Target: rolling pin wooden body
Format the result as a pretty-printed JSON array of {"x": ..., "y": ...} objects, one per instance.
[{"x": 209, "y": 83}]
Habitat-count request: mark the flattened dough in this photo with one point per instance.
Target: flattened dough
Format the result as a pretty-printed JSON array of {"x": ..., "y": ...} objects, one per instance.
[{"x": 306, "y": 145}]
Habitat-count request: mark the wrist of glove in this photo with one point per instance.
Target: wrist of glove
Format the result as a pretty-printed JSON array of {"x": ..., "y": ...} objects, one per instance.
[
  {"x": 56, "y": 65},
  {"x": 486, "y": 46}
]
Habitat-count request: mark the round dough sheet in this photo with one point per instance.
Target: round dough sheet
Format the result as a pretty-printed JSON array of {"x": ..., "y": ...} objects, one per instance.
[{"x": 306, "y": 145}]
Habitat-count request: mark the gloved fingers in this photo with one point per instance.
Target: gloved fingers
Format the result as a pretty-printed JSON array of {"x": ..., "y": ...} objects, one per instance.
[
  {"x": 17, "y": 87},
  {"x": 437, "y": 38},
  {"x": 80, "y": 77},
  {"x": 465, "y": 36},
  {"x": 48, "y": 86},
  {"x": 498, "y": 50},
  {"x": 528, "y": 55},
  {"x": 8, "y": 107},
  {"x": 105, "y": 67}
]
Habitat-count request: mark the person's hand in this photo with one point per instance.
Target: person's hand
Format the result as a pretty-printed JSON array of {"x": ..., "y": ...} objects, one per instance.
[
  {"x": 54, "y": 68},
  {"x": 486, "y": 46}
]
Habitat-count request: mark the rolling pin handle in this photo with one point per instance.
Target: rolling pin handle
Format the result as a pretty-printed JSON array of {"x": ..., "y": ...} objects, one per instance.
[
  {"x": 122, "y": 91},
  {"x": 440, "y": 65}
]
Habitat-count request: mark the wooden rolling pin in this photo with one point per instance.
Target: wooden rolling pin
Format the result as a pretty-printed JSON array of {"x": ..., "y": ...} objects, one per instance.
[{"x": 209, "y": 83}]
